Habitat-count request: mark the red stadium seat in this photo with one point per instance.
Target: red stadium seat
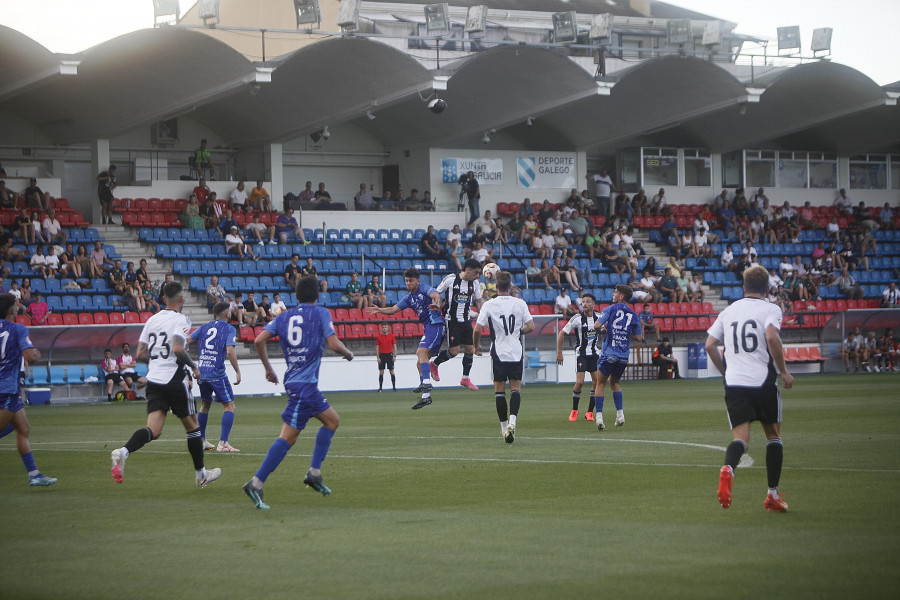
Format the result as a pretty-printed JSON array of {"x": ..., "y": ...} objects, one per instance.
[
  {"x": 503, "y": 208},
  {"x": 116, "y": 318},
  {"x": 85, "y": 319},
  {"x": 546, "y": 309},
  {"x": 70, "y": 319},
  {"x": 132, "y": 317},
  {"x": 101, "y": 318},
  {"x": 54, "y": 319},
  {"x": 145, "y": 316}
]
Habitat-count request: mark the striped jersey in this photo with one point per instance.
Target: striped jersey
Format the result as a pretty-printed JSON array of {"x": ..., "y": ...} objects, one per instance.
[
  {"x": 460, "y": 296},
  {"x": 585, "y": 334},
  {"x": 741, "y": 328}
]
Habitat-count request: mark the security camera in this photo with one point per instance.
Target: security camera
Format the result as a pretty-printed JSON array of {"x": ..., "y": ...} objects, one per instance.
[
  {"x": 529, "y": 122},
  {"x": 325, "y": 133},
  {"x": 437, "y": 105},
  {"x": 486, "y": 139}
]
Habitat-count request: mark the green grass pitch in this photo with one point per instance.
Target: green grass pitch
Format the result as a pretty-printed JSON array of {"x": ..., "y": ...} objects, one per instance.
[{"x": 433, "y": 504}]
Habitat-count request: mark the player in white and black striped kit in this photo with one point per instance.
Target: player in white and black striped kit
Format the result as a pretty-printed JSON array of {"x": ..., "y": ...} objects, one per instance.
[
  {"x": 460, "y": 291},
  {"x": 585, "y": 326},
  {"x": 163, "y": 343},
  {"x": 749, "y": 330},
  {"x": 508, "y": 319}
]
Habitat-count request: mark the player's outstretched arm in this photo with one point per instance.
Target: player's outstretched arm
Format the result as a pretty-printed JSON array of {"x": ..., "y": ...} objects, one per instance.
[
  {"x": 260, "y": 344},
  {"x": 712, "y": 351},
  {"x": 776, "y": 351},
  {"x": 338, "y": 346},
  {"x": 559, "y": 345},
  {"x": 390, "y": 310}
]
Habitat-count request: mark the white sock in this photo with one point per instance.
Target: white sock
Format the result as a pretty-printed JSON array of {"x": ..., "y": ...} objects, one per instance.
[
  {"x": 256, "y": 483},
  {"x": 620, "y": 414},
  {"x": 315, "y": 472},
  {"x": 512, "y": 420},
  {"x": 201, "y": 472},
  {"x": 124, "y": 452},
  {"x": 503, "y": 425},
  {"x": 773, "y": 492},
  {"x": 34, "y": 473},
  {"x": 427, "y": 381}
]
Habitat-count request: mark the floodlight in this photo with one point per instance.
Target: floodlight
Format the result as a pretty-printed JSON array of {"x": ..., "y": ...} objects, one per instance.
[
  {"x": 307, "y": 12},
  {"x": 348, "y": 15},
  {"x": 712, "y": 33},
  {"x": 476, "y": 19},
  {"x": 208, "y": 10},
  {"x": 789, "y": 38},
  {"x": 437, "y": 17},
  {"x": 601, "y": 26},
  {"x": 167, "y": 10},
  {"x": 821, "y": 39},
  {"x": 565, "y": 29},
  {"x": 678, "y": 31}
]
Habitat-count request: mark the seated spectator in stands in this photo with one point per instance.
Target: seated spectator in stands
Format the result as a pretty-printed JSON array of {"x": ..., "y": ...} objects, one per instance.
[
  {"x": 456, "y": 254},
  {"x": 429, "y": 244},
  {"x": 208, "y": 213},
  {"x": 673, "y": 244},
  {"x": 793, "y": 286},
  {"x": 130, "y": 274},
  {"x": 580, "y": 227},
  {"x": 843, "y": 203},
  {"x": 307, "y": 194},
  {"x": 355, "y": 292},
  {"x": 695, "y": 289},
  {"x": 259, "y": 198},
  {"x": 500, "y": 231},
  {"x": 236, "y": 310},
  {"x": 545, "y": 212},
  {"x": 750, "y": 250},
  {"x": 727, "y": 258},
  {"x": 485, "y": 225},
  {"x": 658, "y": 202},
  {"x": 110, "y": 369},
  {"x": 611, "y": 259},
  {"x": 116, "y": 277},
  {"x": 203, "y": 161},
  {"x": 38, "y": 229},
  {"x": 52, "y": 230},
  {"x": 719, "y": 201},
  {"x": 201, "y": 191},
  {"x": 527, "y": 208},
  {"x": 664, "y": 359},
  {"x": 833, "y": 230},
  {"x": 554, "y": 221},
  {"x": 293, "y": 270},
  {"x": 254, "y": 314},
  {"x": 687, "y": 244},
  {"x": 625, "y": 252},
  {"x": 428, "y": 203},
  {"x": 277, "y": 306},
  {"x": 149, "y": 297},
  {"x": 516, "y": 228},
  {"x": 890, "y": 296},
  {"x": 847, "y": 285},
  {"x": 266, "y": 307},
  {"x": 701, "y": 247},
  {"x": 483, "y": 255},
  {"x": 363, "y": 199},
  {"x": 375, "y": 293},
  {"x": 533, "y": 273},
  {"x": 454, "y": 235},
  {"x": 623, "y": 207},
  {"x": 215, "y": 293},
  {"x": 38, "y": 262},
  {"x": 785, "y": 265},
  {"x": 8, "y": 198},
  {"x": 567, "y": 271},
  {"x": 668, "y": 287},
  {"x": 648, "y": 325},
  {"x": 134, "y": 297},
  {"x": 287, "y": 224},
  {"x": 539, "y": 248},
  {"x": 807, "y": 218},
  {"x": 234, "y": 244},
  {"x": 34, "y": 196},
  {"x": 411, "y": 202},
  {"x": 849, "y": 257},
  {"x": 190, "y": 214},
  {"x": 25, "y": 228},
  {"x": 787, "y": 211},
  {"x": 38, "y": 309},
  {"x": 886, "y": 217},
  {"x": 258, "y": 230},
  {"x": 727, "y": 218},
  {"x": 51, "y": 260},
  {"x": 239, "y": 196},
  {"x": 322, "y": 196},
  {"x": 226, "y": 224},
  {"x": 640, "y": 204},
  {"x": 865, "y": 217},
  {"x": 701, "y": 223},
  {"x": 563, "y": 304},
  {"x": 683, "y": 284},
  {"x": 593, "y": 243},
  {"x": 68, "y": 266}
]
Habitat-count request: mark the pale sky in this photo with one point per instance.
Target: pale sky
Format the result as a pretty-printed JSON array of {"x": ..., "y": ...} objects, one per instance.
[{"x": 863, "y": 30}]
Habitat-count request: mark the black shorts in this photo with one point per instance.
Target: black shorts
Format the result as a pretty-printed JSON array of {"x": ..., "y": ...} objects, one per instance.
[
  {"x": 175, "y": 396},
  {"x": 586, "y": 364},
  {"x": 114, "y": 377},
  {"x": 459, "y": 334},
  {"x": 504, "y": 371},
  {"x": 746, "y": 404},
  {"x": 386, "y": 361}
]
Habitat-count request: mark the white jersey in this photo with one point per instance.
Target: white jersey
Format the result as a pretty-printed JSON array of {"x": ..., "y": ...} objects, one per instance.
[
  {"x": 460, "y": 295},
  {"x": 158, "y": 335},
  {"x": 505, "y": 315},
  {"x": 742, "y": 329}
]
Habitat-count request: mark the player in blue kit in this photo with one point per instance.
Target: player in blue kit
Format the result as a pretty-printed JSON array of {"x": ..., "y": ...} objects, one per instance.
[
  {"x": 303, "y": 331},
  {"x": 426, "y": 302},
  {"x": 618, "y": 323},
  {"x": 216, "y": 341},
  {"x": 15, "y": 345}
]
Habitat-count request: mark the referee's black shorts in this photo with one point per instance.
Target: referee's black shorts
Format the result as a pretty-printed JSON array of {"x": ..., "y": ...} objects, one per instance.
[
  {"x": 746, "y": 404},
  {"x": 459, "y": 334},
  {"x": 504, "y": 371},
  {"x": 176, "y": 396},
  {"x": 386, "y": 361}
]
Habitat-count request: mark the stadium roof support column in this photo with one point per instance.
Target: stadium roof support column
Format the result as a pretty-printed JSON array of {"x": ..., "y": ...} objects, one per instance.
[
  {"x": 99, "y": 162},
  {"x": 275, "y": 167}
]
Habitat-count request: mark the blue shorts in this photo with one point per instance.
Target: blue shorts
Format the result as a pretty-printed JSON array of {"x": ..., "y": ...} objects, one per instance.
[
  {"x": 433, "y": 338},
  {"x": 11, "y": 402},
  {"x": 304, "y": 402},
  {"x": 613, "y": 367},
  {"x": 220, "y": 387}
]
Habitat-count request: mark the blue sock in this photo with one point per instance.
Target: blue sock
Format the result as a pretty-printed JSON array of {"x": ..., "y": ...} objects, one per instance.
[
  {"x": 227, "y": 422},
  {"x": 28, "y": 460},
  {"x": 598, "y": 401},
  {"x": 7, "y": 430},
  {"x": 277, "y": 451},
  {"x": 202, "y": 419},
  {"x": 617, "y": 398},
  {"x": 323, "y": 443},
  {"x": 425, "y": 368}
]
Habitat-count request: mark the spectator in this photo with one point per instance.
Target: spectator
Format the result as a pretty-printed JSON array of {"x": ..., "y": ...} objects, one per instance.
[
  {"x": 688, "y": 249},
  {"x": 259, "y": 198},
  {"x": 203, "y": 161},
  {"x": 470, "y": 190},
  {"x": 658, "y": 202},
  {"x": 277, "y": 307},
  {"x": 580, "y": 227},
  {"x": 560, "y": 243},
  {"x": 142, "y": 275},
  {"x": 226, "y": 224},
  {"x": 201, "y": 191},
  {"x": 160, "y": 294},
  {"x": 234, "y": 244},
  {"x": 727, "y": 218},
  {"x": 516, "y": 228},
  {"x": 807, "y": 218},
  {"x": 545, "y": 213},
  {"x": 287, "y": 224},
  {"x": 25, "y": 228},
  {"x": 542, "y": 245},
  {"x": 116, "y": 278},
  {"x": 236, "y": 310},
  {"x": 134, "y": 296},
  {"x": 34, "y": 196},
  {"x": 647, "y": 285},
  {"x": 611, "y": 259},
  {"x": 428, "y": 203},
  {"x": 38, "y": 230},
  {"x": 673, "y": 244},
  {"x": 190, "y": 214},
  {"x": 363, "y": 199},
  {"x": 640, "y": 204},
  {"x": 593, "y": 243},
  {"x": 38, "y": 262},
  {"x": 719, "y": 201},
  {"x": 309, "y": 269},
  {"x": 647, "y": 323},
  {"x": 568, "y": 271},
  {"x": 127, "y": 364},
  {"x": 239, "y": 195},
  {"x": 8, "y": 198},
  {"x": 209, "y": 214},
  {"x": 321, "y": 196},
  {"x": 105, "y": 186},
  {"x": 69, "y": 267},
  {"x": 885, "y": 217},
  {"x": 843, "y": 203},
  {"x": 86, "y": 266},
  {"x": 563, "y": 305},
  {"x": 307, "y": 194},
  {"x": 430, "y": 246},
  {"x": 695, "y": 289},
  {"x": 375, "y": 293},
  {"x": 266, "y": 306},
  {"x": 664, "y": 359},
  {"x": 111, "y": 375},
  {"x": 682, "y": 279},
  {"x": 852, "y": 349},
  {"x": 668, "y": 287},
  {"x": 603, "y": 188},
  {"x": 848, "y": 286},
  {"x": 702, "y": 249},
  {"x": 38, "y": 309},
  {"x": 890, "y": 296},
  {"x": 355, "y": 292},
  {"x": 257, "y": 230},
  {"x": 215, "y": 293},
  {"x": 254, "y": 314},
  {"x": 149, "y": 297},
  {"x": 52, "y": 229},
  {"x": 51, "y": 260}
]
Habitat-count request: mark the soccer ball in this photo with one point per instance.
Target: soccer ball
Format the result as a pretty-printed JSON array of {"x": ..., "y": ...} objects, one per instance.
[{"x": 490, "y": 271}]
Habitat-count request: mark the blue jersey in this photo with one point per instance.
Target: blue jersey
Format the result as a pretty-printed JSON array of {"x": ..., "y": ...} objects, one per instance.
[
  {"x": 13, "y": 341},
  {"x": 302, "y": 331},
  {"x": 419, "y": 301},
  {"x": 621, "y": 323},
  {"x": 213, "y": 341}
]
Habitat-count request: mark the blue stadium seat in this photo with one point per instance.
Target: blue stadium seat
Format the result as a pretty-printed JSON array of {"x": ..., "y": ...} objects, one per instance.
[
  {"x": 383, "y": 234},
  {"x": 58, "y": 376},
  {"x": 180, "y": 267},
  {"x": 54, "y": 303},
  {"x": 38, "y": 375},
  {"x": 197, "y": 284}
]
